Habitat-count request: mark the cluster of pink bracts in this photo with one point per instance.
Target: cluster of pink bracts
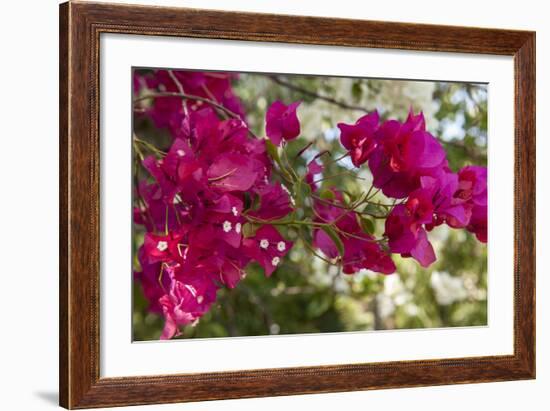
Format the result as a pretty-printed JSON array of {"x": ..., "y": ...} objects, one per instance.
[{"x": 215, "y": 183}]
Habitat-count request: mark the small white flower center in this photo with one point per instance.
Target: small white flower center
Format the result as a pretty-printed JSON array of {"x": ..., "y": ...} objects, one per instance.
[
  {"x": 200, "y": 299},
  {"x": 162, "y": 245},
  {"x": 264, "y": 244},
  {"x": 281, "y": 246},
  {"x": 177, "y": 199},
  {"x": 180, "y": 153},
  {"x": 238, "y": 228},
  {"x": 235, "y": 211},
  {"x": 227, "y": 226},
  {"x": 275, "y": 261}
]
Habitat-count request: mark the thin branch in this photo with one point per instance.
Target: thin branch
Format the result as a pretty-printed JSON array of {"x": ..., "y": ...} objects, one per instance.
[
  {"x": 313, "y": 94},
  {"x": 313, "y": 251},
  {"x": 188, "y": 97},
  {"x": 347, "y": 209},
  {"x": 337, "y": 159},
  {"x": 343, "y": 173},
  {"x": 180, "y": 89},
  {"x": 220, "y": 107},
  {"x": 149, "y": 146}
]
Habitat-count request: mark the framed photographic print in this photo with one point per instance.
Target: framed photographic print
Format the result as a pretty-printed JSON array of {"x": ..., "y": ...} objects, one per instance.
[{"x": 258, "y": 205}]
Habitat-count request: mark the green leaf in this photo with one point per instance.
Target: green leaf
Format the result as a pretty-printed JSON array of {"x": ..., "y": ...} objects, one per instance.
[
  {"x": 273, "y": 152},
  {"x": 375, "y": 209},
  {"x": 335, "y": 239},
  {"x": 357, "y": 91},
  {"x": 302, "y": 190},
  {"x": 327, "y": 194},
  {"x": 349, "y": 198},
  {"x": 366, "y": 224}
]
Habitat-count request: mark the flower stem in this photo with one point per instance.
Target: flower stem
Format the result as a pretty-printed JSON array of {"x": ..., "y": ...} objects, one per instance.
[
  {"x": 149, "y": 146},
  {"x": 337, "y": 159}
]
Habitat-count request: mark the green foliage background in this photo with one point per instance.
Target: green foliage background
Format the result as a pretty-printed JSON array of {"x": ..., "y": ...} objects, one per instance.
[{"x": 305, "y": 295}]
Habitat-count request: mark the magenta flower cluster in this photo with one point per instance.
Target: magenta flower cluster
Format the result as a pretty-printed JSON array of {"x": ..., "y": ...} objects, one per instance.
[
  {"x": 409, "y": 164},
  {"x": 215, "y": 198}
]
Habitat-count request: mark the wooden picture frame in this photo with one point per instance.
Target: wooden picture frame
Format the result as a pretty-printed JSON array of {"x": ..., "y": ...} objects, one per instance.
[{"x": 80, "y": 27}]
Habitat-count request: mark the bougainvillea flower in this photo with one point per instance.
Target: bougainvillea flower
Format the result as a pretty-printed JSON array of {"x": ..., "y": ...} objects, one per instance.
[
  {"x": 420, "y": 206},
  {"x": 151, "y": 209},
  {"x": 478, "y": 223},
  {"x": 226, "y": 265},
  {"x": 226, "y": 204},
  {"x": 313, "y": 169},
  {"x": 323, "y": 242},
  {"x": 213, "y": 86},
  {"x": 360, "y": 248},
  {"x": 230, "y": 273},
  {"x": 166, "y": 182},
  {"x": 472, "y": 185},
  {"x": 208, "y": 136},
  {"x": 187, "y": 300},
  {"x": 180, "y": 152},
  {"x": 405, "y": 152},
  {"x": 225, "y": 217},
  {"x": 415, "y": 121},
  {"x": 407, "y": 236},
  {"x": 267, "y": 247},
  {"x": 282, "y": 122},
  {"x": 232, "y": 172},
  {"x": 153, "y": 284},
  {"x": 166, "y": 112},
  {"x": 274, "y": 203},
  {"x": 137, "y": 81},
  {"x": 447, "y": 207},
  {"x": 360, "y": 251},
  {"x": 423, "y": 251},
  {"x": 164, "y": 248},
  {"x": 401, "y": 230},
  {"x": 359, "y": 138},
  {"x": 377, "y": 260},
  {"x": 472, "y": 188}
]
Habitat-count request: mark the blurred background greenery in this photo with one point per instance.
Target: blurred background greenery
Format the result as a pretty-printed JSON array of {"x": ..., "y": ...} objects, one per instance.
[{"x": 305, "y": 295}]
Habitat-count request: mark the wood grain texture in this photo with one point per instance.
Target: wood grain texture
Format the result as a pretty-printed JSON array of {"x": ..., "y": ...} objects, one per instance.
[
  {"x": 80, "y": 27},
  {"x": 63, "y": 204}
]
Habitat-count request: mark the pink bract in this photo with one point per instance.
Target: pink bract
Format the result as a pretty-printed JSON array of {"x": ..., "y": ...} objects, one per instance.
[
  {"x": 267, "y": 247},
  {"x": 405, "y": 152},
  {"x": 282, "y": 122},
  {"x": 359, "y": 138}
]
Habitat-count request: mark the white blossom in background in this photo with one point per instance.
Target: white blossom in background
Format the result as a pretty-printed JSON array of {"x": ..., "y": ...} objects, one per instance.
[
  {"x": 447, "y": 289},
  {"x": 394, "y": 294},
  {"x": 385, "y": 305},
  {"x": 394, "y": 288}
]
